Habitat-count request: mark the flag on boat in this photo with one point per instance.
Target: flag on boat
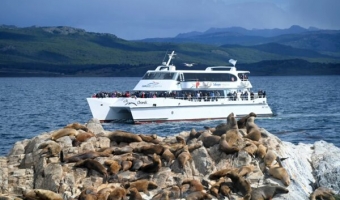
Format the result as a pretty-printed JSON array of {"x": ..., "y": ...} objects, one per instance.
[{"x": 232, "y": 61}]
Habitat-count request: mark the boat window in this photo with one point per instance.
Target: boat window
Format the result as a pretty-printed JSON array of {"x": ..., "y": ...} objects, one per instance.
[
  {"x": 243, "y": 76},
  {"x": 209, "y": 77},
  {"x": 159, "y": 75}
]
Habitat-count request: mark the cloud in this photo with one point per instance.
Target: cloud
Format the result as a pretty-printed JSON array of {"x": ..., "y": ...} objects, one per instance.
[{"x": 137, "y": 19}]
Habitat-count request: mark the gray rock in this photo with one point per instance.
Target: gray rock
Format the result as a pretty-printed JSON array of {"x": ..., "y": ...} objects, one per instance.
[{"x": 94, "y": 126}]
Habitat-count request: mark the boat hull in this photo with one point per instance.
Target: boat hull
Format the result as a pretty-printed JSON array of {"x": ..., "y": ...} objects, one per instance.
[{"x": 141, "y": 110}]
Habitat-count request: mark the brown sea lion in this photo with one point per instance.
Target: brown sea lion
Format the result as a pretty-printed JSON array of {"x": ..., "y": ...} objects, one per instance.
[
  {"x": 227, "y": 148},
  {"x": 77, "y": 126},
  {"x": 150, "y": 149},
  {"x": 253, "y": 134},
  {"x": 241, "y": 123},
  {"x": 198, "y": 195},
  {"x": 196, "y": 145},
  {"x": 184, "y": 157},
  {"x": 118, "y": 193},
  {"x": 280, "y": 173},
  {"x": 224, "y": 127},
  {"x": 126, "y": 165},
  {"x": 208, "y": 139},
  {"x": 88, "y": 194},
  {"x": 194, "y": 134},
  {"x": 114, "y": 166},
  {"x": 322, "y": 193},
  {"x": 195, "y": 185},
  {"x": 87, "y": 155},
  {"x": 251, "y": 124},
  {"x": 154, "y": 166},
  {"x": 84, "y": 136},
  {"x": 134, "y": 194},
  {"x": 244, "y": 170},
  {"x": 250, "y": 148},
  {"x": 94, "y": 165},
  {"x": 142, "y": 185},
  {"x": 149, "y": 138},
  {"x": 124, "y": 136},
  {"x": 221, "y": 173},
  {"x": 269, "y": 157},
  {"x": 122, "y": 150},
  {"x": 47, "y": 194},
  {"x": 63, "y": 132},
  {"x": 50, "y": 148},
  {"x": 240, "y": 184},
  {"x": 162, "y": 195},
  {"x": 180, "y": 140},
  {"x": 261, "y": 151},
  {"x": 225, "y": 190},
  {"x": 267, "y": 192},
  {"x": 168, "y": 156}
]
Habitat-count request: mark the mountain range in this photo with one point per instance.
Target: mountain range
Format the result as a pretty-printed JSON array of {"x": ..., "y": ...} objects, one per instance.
[{"x": 68, "y": 51}]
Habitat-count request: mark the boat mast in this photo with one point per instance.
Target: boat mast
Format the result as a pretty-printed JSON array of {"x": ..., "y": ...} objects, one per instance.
[{"x": 170, "y": 57}]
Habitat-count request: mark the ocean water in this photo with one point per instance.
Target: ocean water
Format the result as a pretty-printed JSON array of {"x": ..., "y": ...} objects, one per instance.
[{"x": 306, "y": 108}]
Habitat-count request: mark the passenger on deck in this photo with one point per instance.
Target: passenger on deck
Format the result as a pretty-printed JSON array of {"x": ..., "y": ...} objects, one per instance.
[{"x": 212, "y": 95}]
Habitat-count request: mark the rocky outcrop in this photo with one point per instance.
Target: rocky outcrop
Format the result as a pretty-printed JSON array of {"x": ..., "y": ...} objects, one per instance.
[{"x": 175, "y": 167}]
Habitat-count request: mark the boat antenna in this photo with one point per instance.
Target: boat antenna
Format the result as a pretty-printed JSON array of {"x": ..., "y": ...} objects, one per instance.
[
  {"x": 163, "y": 62},
  {"x": 170, "y": 57}
]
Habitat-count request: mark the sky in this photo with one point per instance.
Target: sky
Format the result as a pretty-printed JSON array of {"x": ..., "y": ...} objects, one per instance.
[{"x": 140, "y": 19}]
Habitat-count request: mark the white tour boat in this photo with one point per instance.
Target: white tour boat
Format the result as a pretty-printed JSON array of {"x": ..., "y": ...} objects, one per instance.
[{"x": 167, "y": 94}]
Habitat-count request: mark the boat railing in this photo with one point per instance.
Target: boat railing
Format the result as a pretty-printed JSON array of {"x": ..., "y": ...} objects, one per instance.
[{"x": 229, "y": 97}]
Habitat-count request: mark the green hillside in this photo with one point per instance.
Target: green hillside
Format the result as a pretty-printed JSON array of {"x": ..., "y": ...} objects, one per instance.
[{"x": 54, "y": 51}]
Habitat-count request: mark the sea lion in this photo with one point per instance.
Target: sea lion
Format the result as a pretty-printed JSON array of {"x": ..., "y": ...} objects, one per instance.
[
  {"x": 226, "y": 147},
  {"x": 88, "y": 194},
  {"x": 250, "y": 148},
  {"x": 150, "y": 149},
  {"x": 134, "y": 194},
  {"x": 198, "y": 195},
  {"x": 114, "y": 166},
  {"x": 168, "y": 156},
  {"x": 251, "y": 124},
  {"x": 47, "y": 194},
  {"x": 225, "y": 190},
  {"x": 261, "y": 151},
  {"x": 87, "y": 155},
  {"x": 267, "y": 192},
  {"x": 94, "y": 165},
  {"x": 142, "y": 185},
  {"x": 195, "y": 185},
  {"x": 149, "y": 138},
  {"x": 63, "y": 132},
  {"x": 77, "y": 126},
  {"x": 221, "y": 173},
  {"x": 280, "y": 173},
  {"x": 123, "y": 150},
  {"x": 244, "y": 170},
  {"x": 50, "y": 148},
  {"x": 241, "y": 123},
  {"x": 154, "y": 166},
  {"x": 241, "y": 184},
  {"x": 269, "y": 157},
  {"x": 124, "y": 136},
  {"x": 322, "y": 193},
  {"x": 196, "y": 145},
  {"x": 162, "y": 195},
  {"x": 224, "y": 127},
  {"x": 208, "y": 139},
  {"x": 118, "y": 193},
  {"x": 84, "y": 136},
  {"x": 126, "y": 165},
  {"x": 180, "y": 140},
  {"x": 194, "y": 134},
  {"x": 184, "y": 157}
]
